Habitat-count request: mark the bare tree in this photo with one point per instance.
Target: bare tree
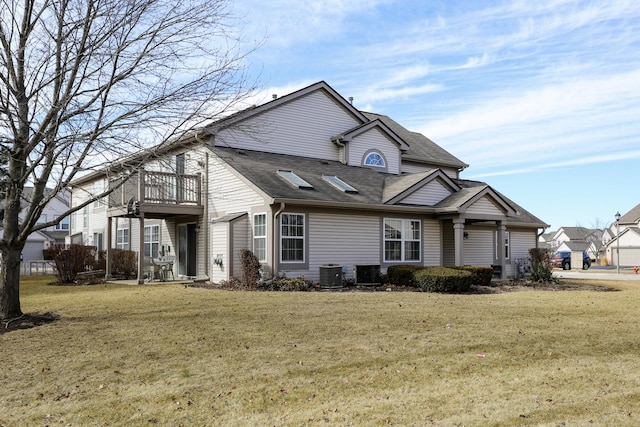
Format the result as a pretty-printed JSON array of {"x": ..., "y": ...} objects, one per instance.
[
  {"x": 594, "y": 236},
  {"x": 83, "y": 82}
]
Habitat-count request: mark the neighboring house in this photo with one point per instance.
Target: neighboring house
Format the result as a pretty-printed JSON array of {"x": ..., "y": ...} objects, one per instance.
[
  {"x": 40, "y": 241},
  {"x": 573, "y": 246},
  {"x": 545, "y": 240},
  {"x": 586, "y": 239},
  {"x": 304, "y": 181},
  {"x": 626, "y": 236}
]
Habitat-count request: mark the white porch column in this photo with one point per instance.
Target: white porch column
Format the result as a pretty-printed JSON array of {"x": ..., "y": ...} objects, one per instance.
[
  {"x": 141, "y": 250},
  {"x": 500, "y": 249},
  {"x": 458, "y": 241},
  {"x": 107, "y": 273}
]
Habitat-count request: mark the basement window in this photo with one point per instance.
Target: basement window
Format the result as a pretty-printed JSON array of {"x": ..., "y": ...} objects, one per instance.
[
  {"x": 339, "y": 184},
  {"x": 295, "y": 180}
]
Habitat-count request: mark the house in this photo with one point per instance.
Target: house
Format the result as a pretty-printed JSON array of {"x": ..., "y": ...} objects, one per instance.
[
  {"x": 39, "y": 241},
  {"x": 305, "y": 180},
  {"x": 579, "y": 238},
  {"x": 624, "y": 237},
  {"x": 545, "y": 240}
]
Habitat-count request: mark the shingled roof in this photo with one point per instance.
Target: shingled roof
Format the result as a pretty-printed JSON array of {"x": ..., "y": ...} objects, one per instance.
[
  {"x": 421, "y": 149},
  {"x": 373, "y": 188}
]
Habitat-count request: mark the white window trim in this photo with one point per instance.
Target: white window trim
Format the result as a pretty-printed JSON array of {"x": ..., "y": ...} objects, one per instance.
[
  {"x": 98, "y": 188},
  {"x": 122, "y": 245},
  {"x": 85, "y": 217},
  {"x": 59, "y": 226},
  {"x": 151, "y": 242},
  {"x": 380, "y": 156},
  {"x": 260, "y": 237},
  {"x": 403, "y": 239},
  {"x": 303, "y": 238}
]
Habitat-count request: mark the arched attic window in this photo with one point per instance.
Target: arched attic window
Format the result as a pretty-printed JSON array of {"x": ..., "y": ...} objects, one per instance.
[{"x": 374, "y": 159}]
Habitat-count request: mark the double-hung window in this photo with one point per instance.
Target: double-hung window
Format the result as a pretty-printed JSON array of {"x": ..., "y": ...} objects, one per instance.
[
  {"x": 98, "y": 188},
  {"x": 85, "y": 217},
  {"x": 63, "y": 224},
  {"x": 402, "y": 239},
  {"x": 122, "y": 239},
  {"x": 260, "y": 236},
  {"x": 151, "y": 240},
  {"x": 292, "y": 238}
]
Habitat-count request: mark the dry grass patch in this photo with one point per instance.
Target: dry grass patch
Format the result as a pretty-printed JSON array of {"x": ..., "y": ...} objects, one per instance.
[{"x": 169, "y": 355}]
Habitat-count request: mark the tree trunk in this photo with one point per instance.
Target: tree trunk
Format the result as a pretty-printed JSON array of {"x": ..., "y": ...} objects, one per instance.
[{"x": 10, "y": 284}]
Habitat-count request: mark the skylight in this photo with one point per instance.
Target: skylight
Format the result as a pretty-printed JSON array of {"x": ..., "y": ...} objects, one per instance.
[
  {"x": 339, "y": 184},
  {"x": 294, "y": 179}
]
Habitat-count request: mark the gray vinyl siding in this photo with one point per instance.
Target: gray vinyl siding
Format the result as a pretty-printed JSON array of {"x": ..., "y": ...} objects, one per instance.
[
  {"x": 428, "y": 195},
  {"x": 478, "y": 247},
  {"x": 374, "y": 140},
  {"x": 292, "y": 129},
  {"x": 228, "y": 193},
  {"x": 347, "y": 240},
  {"x": 448, "y": 246},
  {"x": 520, "y": 243},
  {"x": 240, "y": 236},
  {"x": 219, "y": 246},
  {"x": 431, "y": 237},
  {"x": 484, "y": 206}
]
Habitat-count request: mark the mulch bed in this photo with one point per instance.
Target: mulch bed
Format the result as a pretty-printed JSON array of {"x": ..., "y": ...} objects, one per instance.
[{"x": 496, "y": 287}]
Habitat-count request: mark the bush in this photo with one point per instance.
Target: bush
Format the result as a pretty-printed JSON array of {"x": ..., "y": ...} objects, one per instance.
[
  {"x": 402, "y": 275},
  {"x": 250, "y": 269},
  {"x": 285, "y": 284},
  {"x": 70, "y": 261},
  {"x": 124, "y": 263},
  {"x": 443, "y": 279},
  {"x": 540, "y": 269},
  {"x": 480, "y": 275}
]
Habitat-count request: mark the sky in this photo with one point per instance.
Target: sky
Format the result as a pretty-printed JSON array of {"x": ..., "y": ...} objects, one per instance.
[{"x": 541, "y": 98}]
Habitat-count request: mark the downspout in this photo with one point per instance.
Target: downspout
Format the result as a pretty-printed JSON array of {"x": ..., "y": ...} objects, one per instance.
[
  {"x": 540, "y": 235},
  {"x": 338, "y": 141},
  {"x": 276, "y": 264},
  {"x": 205, "y": 222}
]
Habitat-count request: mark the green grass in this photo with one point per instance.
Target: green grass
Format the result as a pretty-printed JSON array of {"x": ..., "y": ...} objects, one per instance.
[{"x": 169, "y": 355}]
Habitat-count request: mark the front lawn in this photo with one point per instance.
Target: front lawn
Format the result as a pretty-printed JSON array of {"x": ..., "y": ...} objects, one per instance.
[{"x": 164, "y": 354}]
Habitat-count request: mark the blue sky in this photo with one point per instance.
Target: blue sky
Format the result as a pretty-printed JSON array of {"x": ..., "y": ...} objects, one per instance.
[{"x": 540, "y": 98}]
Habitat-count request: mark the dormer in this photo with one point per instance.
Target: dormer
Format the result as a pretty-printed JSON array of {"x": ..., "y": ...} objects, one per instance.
[{"x": 373, "y": 145}]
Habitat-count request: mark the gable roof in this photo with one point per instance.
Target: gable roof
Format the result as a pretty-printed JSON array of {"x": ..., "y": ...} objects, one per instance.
[
  {"x": 520, "y": 216},
  {"x": 632, "y": 217},
  {"x": 576, "y": 246},
  {"x": 362, "y": 128},
  {"x": 575, "y": 233},
  {"x": 415, "y": 147},
  {"x": 398, "y": 187},
  {"x": 421, "y": 149},
  {"x": 236, "y": 118}
]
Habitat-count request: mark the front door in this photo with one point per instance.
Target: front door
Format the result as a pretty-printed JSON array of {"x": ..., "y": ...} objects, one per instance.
[{"x": 187, "y": 244}]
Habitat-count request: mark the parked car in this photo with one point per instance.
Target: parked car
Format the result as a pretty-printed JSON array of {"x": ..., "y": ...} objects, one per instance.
[{"x": 562, "y": 259}]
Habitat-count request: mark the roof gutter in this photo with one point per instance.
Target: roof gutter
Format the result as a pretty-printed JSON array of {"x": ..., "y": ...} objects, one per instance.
[{"x": 354, "y": 206}]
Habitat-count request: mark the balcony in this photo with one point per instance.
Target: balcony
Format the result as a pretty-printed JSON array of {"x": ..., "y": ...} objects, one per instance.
[{"x": 157, "y": 195}]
